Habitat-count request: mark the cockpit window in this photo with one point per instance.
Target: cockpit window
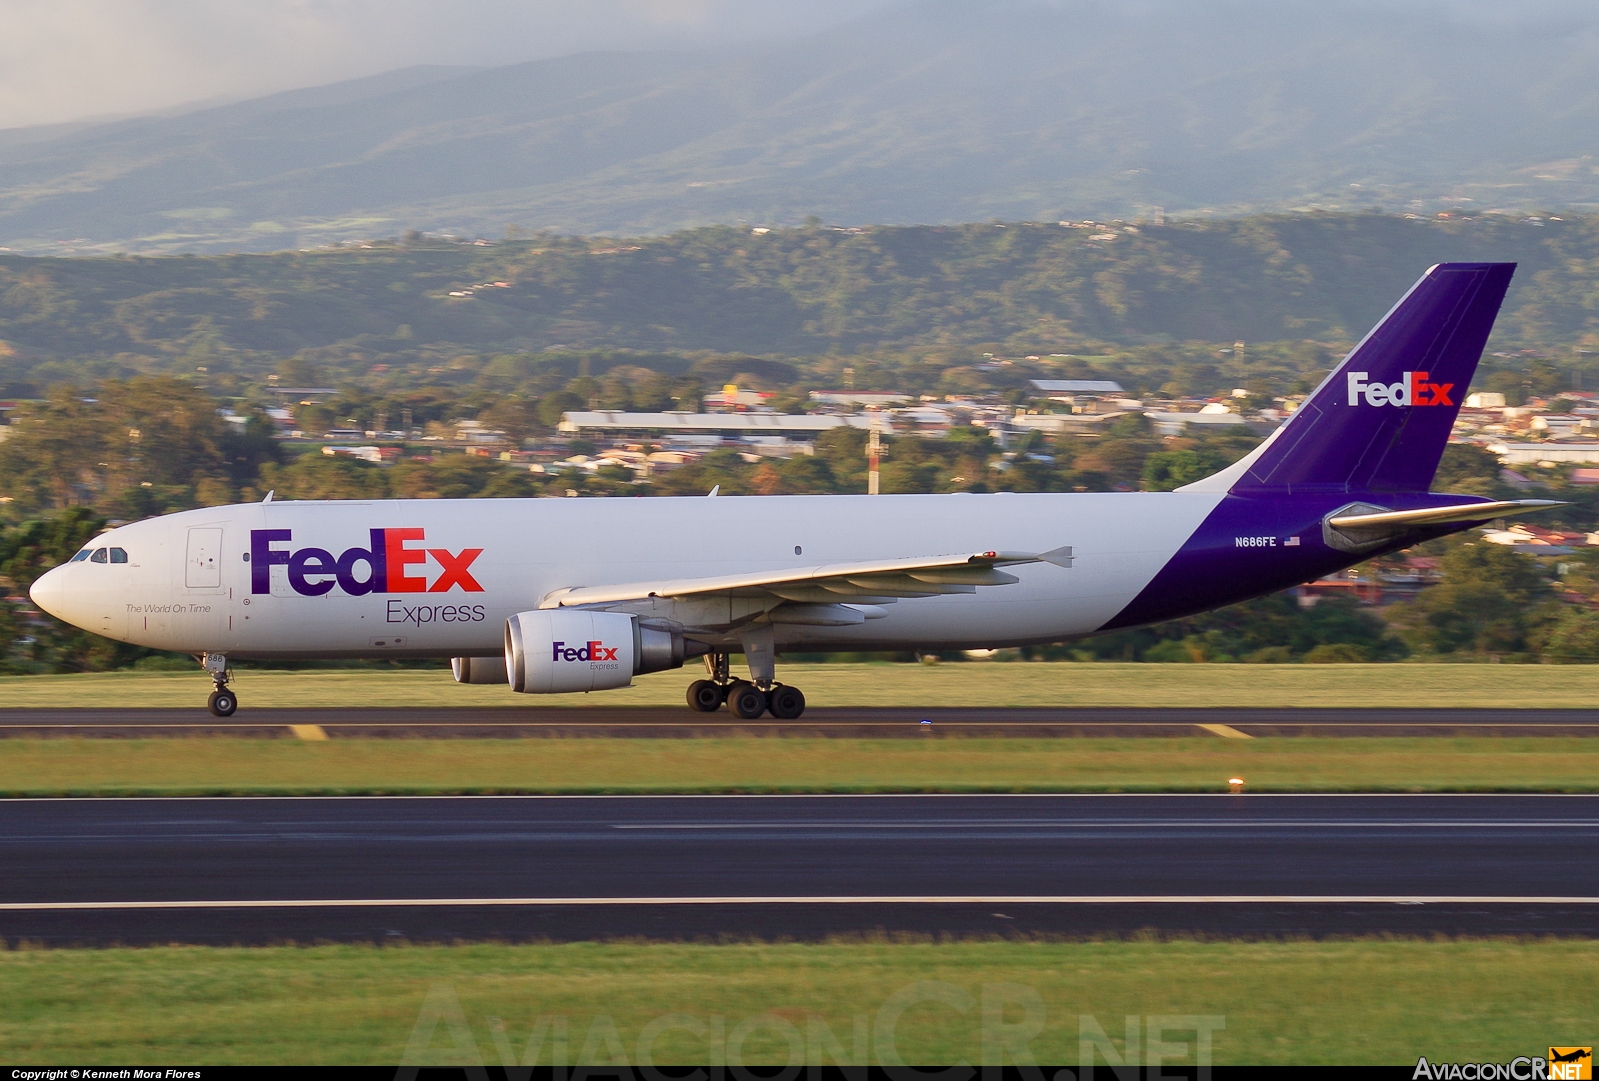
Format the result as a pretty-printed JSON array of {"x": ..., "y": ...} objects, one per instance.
[
  {"x": 80, "y": 557},
  {"x": 119, "y": 555},
  {"x": 99, "y": 556}
]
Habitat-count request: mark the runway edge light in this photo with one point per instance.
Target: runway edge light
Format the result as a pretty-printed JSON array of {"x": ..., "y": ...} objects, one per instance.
[{"x": 1235, "y": 784}]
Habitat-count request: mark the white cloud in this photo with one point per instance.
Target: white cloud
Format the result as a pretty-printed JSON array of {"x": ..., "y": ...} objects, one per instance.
[{"x": 69, "y": 59}]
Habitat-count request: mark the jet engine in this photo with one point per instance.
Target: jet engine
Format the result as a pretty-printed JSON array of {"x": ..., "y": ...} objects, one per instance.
[
  {"x": 478, "y": 669},
  {"x": 570, "y": 649}
]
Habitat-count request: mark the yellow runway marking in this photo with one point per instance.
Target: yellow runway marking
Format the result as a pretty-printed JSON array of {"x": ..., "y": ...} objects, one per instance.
[
  {"x": 1226, "y": 730},
  {"x": 311, "y": 732}
]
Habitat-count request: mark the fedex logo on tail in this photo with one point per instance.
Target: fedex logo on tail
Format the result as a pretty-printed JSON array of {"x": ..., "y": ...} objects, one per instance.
[
  {"x": 381, "y": 568},
  {"x": 589, "y": 651},
  {"x": 1414, "y": 389}
]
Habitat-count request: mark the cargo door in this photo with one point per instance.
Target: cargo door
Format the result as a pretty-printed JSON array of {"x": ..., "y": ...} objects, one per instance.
[{"x": 203, "y": 567}]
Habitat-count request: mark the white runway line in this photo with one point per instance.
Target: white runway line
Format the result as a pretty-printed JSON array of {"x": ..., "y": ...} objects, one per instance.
[
  {"x": 545, "y": 902},
  {"x": 1129, "y": 823}
]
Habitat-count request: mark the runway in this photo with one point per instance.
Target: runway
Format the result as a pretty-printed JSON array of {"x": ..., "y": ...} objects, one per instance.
[
  {"x": 680, "y": 722},
  {"x": 445, "y": 868}
]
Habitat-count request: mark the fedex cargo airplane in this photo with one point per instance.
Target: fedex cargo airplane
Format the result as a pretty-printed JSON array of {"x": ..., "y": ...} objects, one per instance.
[{"x": 565, "y": 595}]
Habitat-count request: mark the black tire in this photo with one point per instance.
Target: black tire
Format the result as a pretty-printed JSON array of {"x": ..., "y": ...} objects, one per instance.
[
  {"x": 705, "y": 696},
  {"x": 222, "y": 703},
  {"x": 746, "y": 701},
  {"x": 786, "y": 703}
]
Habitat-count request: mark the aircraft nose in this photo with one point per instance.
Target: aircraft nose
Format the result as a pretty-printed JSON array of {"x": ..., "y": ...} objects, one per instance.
[{"x": 49, "y": 593}]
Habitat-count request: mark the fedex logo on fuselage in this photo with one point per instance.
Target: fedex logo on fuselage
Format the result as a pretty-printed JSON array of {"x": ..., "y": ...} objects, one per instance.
[
  {"x": 1414, "y": 389},
  {"x": 589, "y": 651},
  {"x": 380, "y": 568}
]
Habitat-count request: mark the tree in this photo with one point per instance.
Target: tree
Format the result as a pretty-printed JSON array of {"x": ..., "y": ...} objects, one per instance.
[
  {"x": 10, "y": 633},
  {"x": 766, "y": 480},
  {"x": 551, "y": 406},
  {"x": 720, "y": 467},
  {"x": 844, "y": 451},
  {"x": 26, "y": 552},
  {"x": 806, "y": 474},
  {"x": 156, "y": 431},
  {"x": 1166, "y": 470},
  {"x": 249, "y": 446},
  {"x": 180, "y": 439},
  {"x": 320, "y": 476},
  {"x": 510, "y": 484},
  {"x": 1489, "y": 600},
  {"x": 314, "y": 419},
  {"x": 516, "y": 417},
  {"x": 1467, "y": 470},
  {"x": 51, "y": 459},
  {"x": 453, "y": 476},
  {"x": 1573, "y": 638},
  {"x": 913, "y": 478},
  {"x": 1120, "y": 453}
]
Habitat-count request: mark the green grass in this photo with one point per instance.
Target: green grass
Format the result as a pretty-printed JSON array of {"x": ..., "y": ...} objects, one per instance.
[
  {"x": 800, "y": 764},
  {"x": 1334, "y": 1002},
  {"x": 911, "y": 685}
]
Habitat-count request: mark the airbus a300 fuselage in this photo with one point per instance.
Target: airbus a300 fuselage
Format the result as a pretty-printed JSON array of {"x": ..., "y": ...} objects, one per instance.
[{"x": 582, "y": 594}]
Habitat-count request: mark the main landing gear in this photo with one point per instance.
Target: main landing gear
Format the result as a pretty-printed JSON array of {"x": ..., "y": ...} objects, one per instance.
[
  {"x": 222, "y": 702},
  {"x": 745, "y": 699}
]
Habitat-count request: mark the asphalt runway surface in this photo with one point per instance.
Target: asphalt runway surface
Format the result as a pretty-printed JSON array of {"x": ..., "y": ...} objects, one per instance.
[
  {"x": 446, "y": 868},
  {"x": 679, "y": 721}
]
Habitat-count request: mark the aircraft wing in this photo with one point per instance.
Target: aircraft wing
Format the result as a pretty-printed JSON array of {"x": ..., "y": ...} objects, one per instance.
[{"x": 873, "y": 582}]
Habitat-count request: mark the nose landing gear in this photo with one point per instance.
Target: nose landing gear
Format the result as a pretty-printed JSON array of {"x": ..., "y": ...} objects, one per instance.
[
  {"x": 745, "y": 699},
  {"x": 222, "y": 702}
]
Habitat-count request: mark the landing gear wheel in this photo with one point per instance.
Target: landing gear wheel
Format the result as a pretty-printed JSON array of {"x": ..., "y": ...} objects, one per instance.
[
  {"x": 705, "y": 696},
  {"x": 222, "y": 702},
  {"x": 786, "y": 703},
  {"x": 746, "y": 701}
]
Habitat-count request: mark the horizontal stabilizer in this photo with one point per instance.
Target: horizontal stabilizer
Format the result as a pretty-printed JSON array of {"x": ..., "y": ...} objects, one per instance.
[
  {"x": 1466, "y": 512},
  {"x": 1361, "y": 526}
]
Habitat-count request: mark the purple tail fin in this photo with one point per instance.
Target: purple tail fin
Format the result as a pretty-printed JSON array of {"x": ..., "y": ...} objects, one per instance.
[{"x": 1379, "y": 422}]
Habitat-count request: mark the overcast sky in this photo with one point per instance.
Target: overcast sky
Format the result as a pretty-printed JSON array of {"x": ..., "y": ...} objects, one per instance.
[
  {"x": 73, "y": 59},
  {"x": 76, "y": 59}
]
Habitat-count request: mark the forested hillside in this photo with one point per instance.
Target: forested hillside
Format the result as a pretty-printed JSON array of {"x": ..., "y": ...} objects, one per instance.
[
  {"x": 925, "y": 111},
  {"x": 1141, "y": 300}
]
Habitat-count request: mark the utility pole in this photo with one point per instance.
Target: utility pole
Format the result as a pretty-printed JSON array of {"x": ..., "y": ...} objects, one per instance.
[{"x": 874, "y": 450}]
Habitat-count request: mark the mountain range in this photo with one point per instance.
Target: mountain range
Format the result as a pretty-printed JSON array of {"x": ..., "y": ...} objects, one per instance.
[{"x": 936, "y": 111}]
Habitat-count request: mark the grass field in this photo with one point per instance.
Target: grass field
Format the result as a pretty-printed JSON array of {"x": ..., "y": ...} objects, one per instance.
[
  {"x": 781, "y": 764},
  {"x": 1336, "y": 1002},
  {"x": 913, "y": 685}
]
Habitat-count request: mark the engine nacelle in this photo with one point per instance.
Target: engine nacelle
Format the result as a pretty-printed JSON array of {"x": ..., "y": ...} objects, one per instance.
[
  {"x": 553, "y": 651},
  {"x": 478, "y": 669}
]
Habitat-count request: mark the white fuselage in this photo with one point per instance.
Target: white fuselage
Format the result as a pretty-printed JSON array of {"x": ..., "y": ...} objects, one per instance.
[{"x": 188, "y": 584}]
